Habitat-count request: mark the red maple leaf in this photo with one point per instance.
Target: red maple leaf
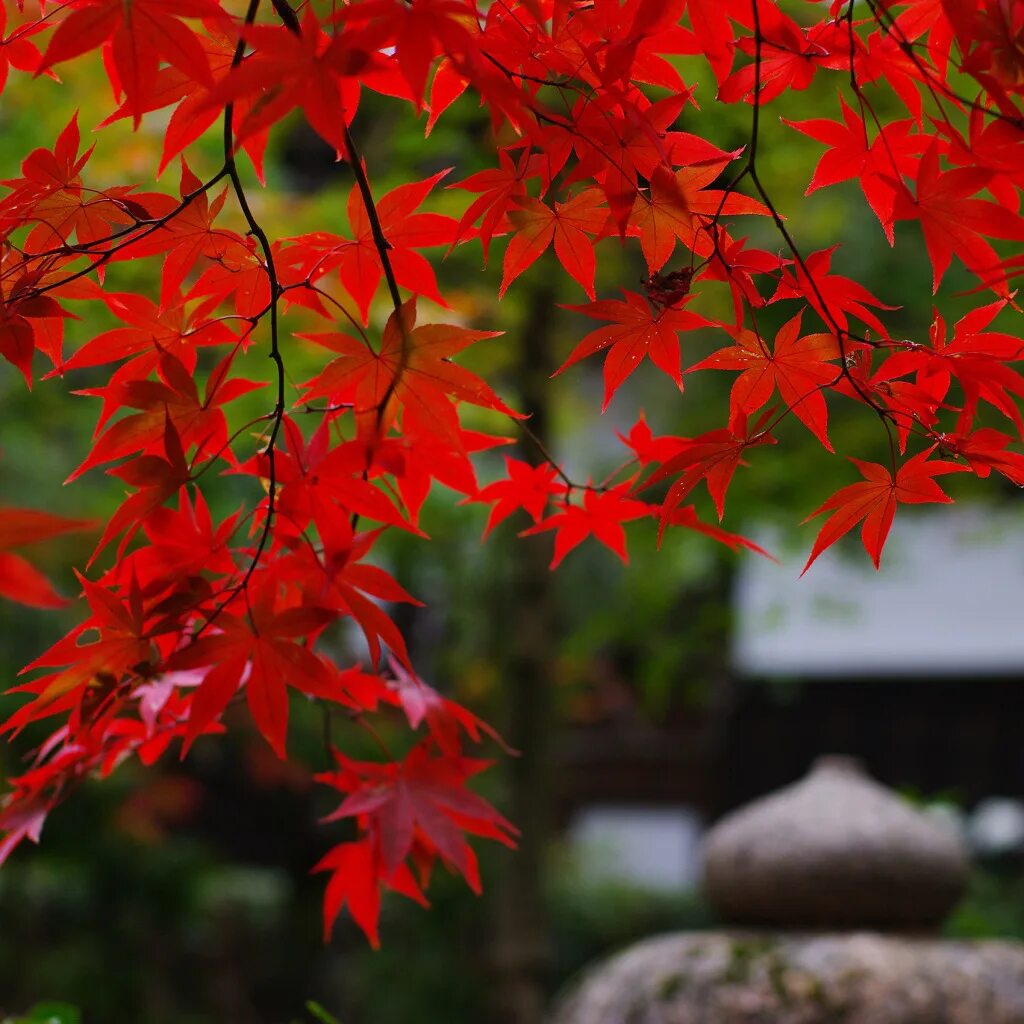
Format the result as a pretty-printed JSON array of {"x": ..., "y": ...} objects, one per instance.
[
  {"x": 831, "y": 296},
  {"x": 324, "y": 485},
  {"x": 686, "y": 517},
  {"x": 121, "y": 649},
  {"x": 639, "y": 329},
  {"x": 175, "y": 399},
  {"x": 257, "y": 651},
  {"x": 926, "y": 17},
  {"x": 412, "y": 370},
  {"x": 421, "y": 457},
  {"x": 714, "y": 31},
  {"x": 18, "y": 821},
  {"x": 192, "y": 115},
  {"x": 50, "y": 193},
  {"x": 184, "y": 543},
  {"x": 498, "y": 189},
  {"x": 23, "y": 323},
  {"x": 567, "y": 224},
  {"x": 713, "y": 457},
  {"x": 601, "y": 515},
  {"x": 310, "y": 69},
  {"x": 356, "y": 878},
  {"x": 874, "y": 500},
  {"x": 424, "y": 800},
  {"x": 909, "y": 403},
  {"x": 649, "y": 449},
  {"x": 341, "y": 580},
  {"x": 954, "y": 223},
  {"x": 419, "y": 33},
  {"x": 141, "y": 33},
  {"x": 150, "y": 334},
  {"x": 678, "y": 206},
  {"x": 19, "y": 580},
  {"x": 358, "y": 259},
  {"x": 977, "y": 359},
  {"x": 893, "y": 152},
  {"x": 17, "y": 51},
  {"x": 789, "y": 56},
  {"x": 241, "y": 272},
  {"x": 158, "y": 477},
  {"x": 618, "y": 148},
  {"x": 986, "y": 449},
  {"x": 526, "y": 487},
  {"x": 885, "y": 59},
  {"x": 187, "y": 237},
  {"x": 799, "y": 367},
  {"x": 445, "y": 719},
  {"x": 738, "y": 265},
  {"x": 989, "y": 34},
  {"x": 446, "y": 87}
]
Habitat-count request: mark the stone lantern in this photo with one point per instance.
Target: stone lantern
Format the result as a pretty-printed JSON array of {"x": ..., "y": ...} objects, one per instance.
[{"x": 831, "y": 887}]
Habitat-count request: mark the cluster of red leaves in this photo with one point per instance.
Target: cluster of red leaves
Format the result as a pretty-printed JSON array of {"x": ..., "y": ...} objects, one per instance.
[{"x": 195, "y": 612}]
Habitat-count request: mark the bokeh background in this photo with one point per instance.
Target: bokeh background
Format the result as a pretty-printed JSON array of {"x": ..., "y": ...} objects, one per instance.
[{"x": 645, "y": 700}]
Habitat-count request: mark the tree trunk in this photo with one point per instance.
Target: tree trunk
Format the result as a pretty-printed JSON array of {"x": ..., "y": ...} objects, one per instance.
[{"x": 520, "y": 951}]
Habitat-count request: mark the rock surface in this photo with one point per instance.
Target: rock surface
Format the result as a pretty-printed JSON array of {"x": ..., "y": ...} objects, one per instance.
[
  {"x": 835, "y": 850},
  {"x": 764, "y": 978}
]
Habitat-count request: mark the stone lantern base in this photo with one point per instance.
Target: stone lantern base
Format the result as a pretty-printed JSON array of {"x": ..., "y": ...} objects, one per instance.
[{"x": 760, "y": 977}]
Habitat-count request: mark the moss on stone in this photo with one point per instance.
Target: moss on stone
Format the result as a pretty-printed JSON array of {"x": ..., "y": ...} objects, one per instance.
[
  {"x": 671, "y": 985},
  {"x": 743, "y": 954}
]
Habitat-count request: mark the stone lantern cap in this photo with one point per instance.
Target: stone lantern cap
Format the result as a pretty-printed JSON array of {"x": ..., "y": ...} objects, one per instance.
[{"x": 835, "y": 850}]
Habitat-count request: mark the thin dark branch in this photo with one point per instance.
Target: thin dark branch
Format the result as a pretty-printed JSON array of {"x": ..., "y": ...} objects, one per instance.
[
  {"x": 274, "y": 354},
  {"x": 287, "y": 16},
  {"x": 108, "y": 254},
  {"x": 380, "y": 242}
]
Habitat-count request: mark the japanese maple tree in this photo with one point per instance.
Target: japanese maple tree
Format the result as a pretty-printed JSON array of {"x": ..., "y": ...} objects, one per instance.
[{"x": 190, "y": 613}]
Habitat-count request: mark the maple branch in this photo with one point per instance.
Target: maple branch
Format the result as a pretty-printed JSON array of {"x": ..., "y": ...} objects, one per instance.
[
  {"x": 380, "y": 242},
  {"x": 316, "y": 289},
  {"x": 751, "y": 168},
  {"x": 152, "y": 226},
  {"x": 565, "y": 83},
  {"x": 195, "y": 474},
  {"x": 893, "y": 30},
  {"x": 42, "y": 20},
  {"x": 277, "y": 415},
  {"x": 855, "y": 86},
  {"x": 358, "y": 718},
  {"x": 606, "y": 482},
  {"x": 287, "y": 15},
  {"x": 383, "y": 246},
  {"x": 547, "y": 456},
  {"x": 325, "y": 409},
  {"x": 549, "y": 117}
]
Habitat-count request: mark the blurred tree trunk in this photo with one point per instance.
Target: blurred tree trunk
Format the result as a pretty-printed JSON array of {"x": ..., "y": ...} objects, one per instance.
[{"x": 520, "y": 951}]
